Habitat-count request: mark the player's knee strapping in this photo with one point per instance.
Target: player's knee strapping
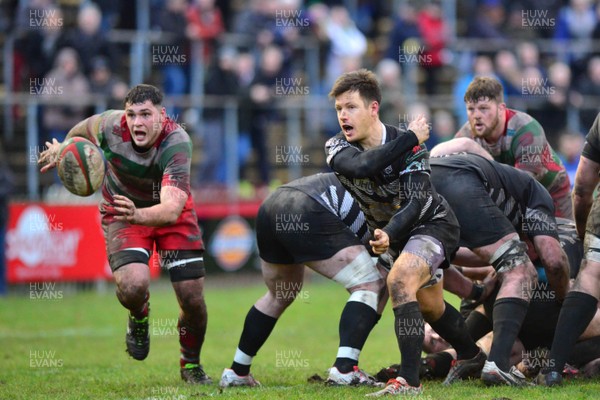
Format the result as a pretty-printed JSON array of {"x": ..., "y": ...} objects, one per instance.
[
  {"x": 366, "y": 297},
  {"x": 183, "y": 264},
  {"x": 133, "y": 255},
  {"x": 509, "y": 255},
  {"x": 591, "y": 247},
  {"x": 361, "y": 270}
]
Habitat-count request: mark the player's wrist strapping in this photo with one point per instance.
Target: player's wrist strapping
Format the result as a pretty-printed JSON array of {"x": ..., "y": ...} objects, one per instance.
[{"x": 476, "y": 292}]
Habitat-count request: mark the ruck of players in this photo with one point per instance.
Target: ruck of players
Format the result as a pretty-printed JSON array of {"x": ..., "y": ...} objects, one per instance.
[{"x": 393, "y": 223}]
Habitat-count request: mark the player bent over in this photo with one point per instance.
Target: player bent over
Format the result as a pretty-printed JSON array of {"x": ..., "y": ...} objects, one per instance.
[
  {"x": 387, "y": 173},
  {"x": 581, "y": 302},
  {"x": 147, "y": 202},
  {"x": 536, "y": 334},
  {"x": 494, "y": 204},
  {"x": 325, "y": 236}
]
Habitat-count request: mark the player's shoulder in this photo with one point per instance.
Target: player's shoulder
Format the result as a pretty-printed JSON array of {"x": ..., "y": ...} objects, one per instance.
[
  {"x": 336, "y": 140},
  {"x": 112, "y": 123},
  {"x": 112, "y": 118},
  {"x": 393, "y": 132},
  {"x": 316, "y": 183},
  {"x": 112, "y": 115},
  {"x": 519, "y": 122},
  {"x": 336, "y": 144},
  {"x": 323, "y": 180},
  {"x": 594, "y": 132},
  {"x": 174, "y": 134}
]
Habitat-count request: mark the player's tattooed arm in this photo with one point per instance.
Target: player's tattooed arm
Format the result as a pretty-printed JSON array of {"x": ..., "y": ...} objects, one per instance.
[
  {"x": 586, "y": 180},
  {"x": 555, "y": 262}
]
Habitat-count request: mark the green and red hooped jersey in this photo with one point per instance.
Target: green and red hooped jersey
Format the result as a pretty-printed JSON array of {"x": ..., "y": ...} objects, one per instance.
[
  {"x": 141, "y": 175},
  {"x": 523, "y": 145}
]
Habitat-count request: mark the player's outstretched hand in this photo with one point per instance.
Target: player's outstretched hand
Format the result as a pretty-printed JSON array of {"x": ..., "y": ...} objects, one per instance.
[
  {"x": 420, "y": 127},
  {"x": 381, "y": 242},
  {"x": 49, "y": 157}
]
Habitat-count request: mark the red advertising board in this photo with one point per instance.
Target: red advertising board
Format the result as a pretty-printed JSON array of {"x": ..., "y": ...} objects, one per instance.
[
  {"x": 56, "y": 243},
  {"x": 65, "y": 242}
]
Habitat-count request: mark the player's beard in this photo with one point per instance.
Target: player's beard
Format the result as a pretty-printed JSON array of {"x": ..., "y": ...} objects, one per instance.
[{"x": 487, "y": 132}]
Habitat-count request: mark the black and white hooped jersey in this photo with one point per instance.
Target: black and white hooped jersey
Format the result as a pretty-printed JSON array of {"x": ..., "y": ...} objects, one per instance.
[
  {"x": 326, "y": 189},
  {"x": 383, "y": 194}
]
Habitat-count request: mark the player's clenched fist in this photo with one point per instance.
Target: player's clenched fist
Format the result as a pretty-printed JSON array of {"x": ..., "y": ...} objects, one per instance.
[
  {"x": 420, "y": 127},
  {"x": 380, "y": 242}
]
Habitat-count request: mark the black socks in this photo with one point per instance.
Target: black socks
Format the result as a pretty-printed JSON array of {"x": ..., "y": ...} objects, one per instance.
[
  {"x": 577, "y": 311},
  {"x": 452, "y": 328},
  {"x": 410, "y": 332},
  {"x": 356, "y": 322},
  {"x": 509, "y": 314},
  {"x": 257, "y": 328}
]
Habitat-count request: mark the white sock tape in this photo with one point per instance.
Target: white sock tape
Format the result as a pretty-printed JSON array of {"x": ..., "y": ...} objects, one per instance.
[
  {"x": 242, "y": 358},
  {"x": 348, "y": 352}
]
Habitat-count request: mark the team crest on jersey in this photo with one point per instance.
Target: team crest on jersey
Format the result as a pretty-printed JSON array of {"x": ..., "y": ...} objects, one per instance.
[
  {"x": 417, "y": 165},
  {"x": 388, "y": 170}
]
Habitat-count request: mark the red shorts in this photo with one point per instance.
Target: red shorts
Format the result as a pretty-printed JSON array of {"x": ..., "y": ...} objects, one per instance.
[{"x": 184, "y": 234}]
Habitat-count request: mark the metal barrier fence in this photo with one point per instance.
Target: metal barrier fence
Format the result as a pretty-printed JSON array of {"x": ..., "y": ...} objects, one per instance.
[
  {"x": 303, "y": 115},
  {"x": 303, "y": 123}
]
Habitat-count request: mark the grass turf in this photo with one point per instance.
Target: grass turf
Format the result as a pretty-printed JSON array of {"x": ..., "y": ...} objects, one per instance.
[{"x": 72, "y": 346}]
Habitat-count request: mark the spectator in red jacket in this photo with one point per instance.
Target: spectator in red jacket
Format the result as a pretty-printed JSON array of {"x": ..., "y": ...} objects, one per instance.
[
  {"x": 205, "y": 23},
  {"x": 434, "y": 33}
]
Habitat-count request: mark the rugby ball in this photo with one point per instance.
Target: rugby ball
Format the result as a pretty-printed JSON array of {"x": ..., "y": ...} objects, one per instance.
[{"x": 80, "y": 166}]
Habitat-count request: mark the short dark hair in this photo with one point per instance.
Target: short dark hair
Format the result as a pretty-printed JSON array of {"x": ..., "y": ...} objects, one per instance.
[
  {"x": 142, "y": 92},
  {"x": 363, "y": 81},
  {"x": 483, "y": 87}
]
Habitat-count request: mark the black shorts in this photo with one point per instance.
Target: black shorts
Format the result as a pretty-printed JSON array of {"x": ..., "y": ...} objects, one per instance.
[
  {"x": 443, "y": 226},
  {"x": 293, "y": 228},
  {"x": 481, "y": 221}
]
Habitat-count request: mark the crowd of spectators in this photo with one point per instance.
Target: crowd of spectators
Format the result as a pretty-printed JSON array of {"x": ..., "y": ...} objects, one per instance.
[{"x": 544, "y": 53}]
